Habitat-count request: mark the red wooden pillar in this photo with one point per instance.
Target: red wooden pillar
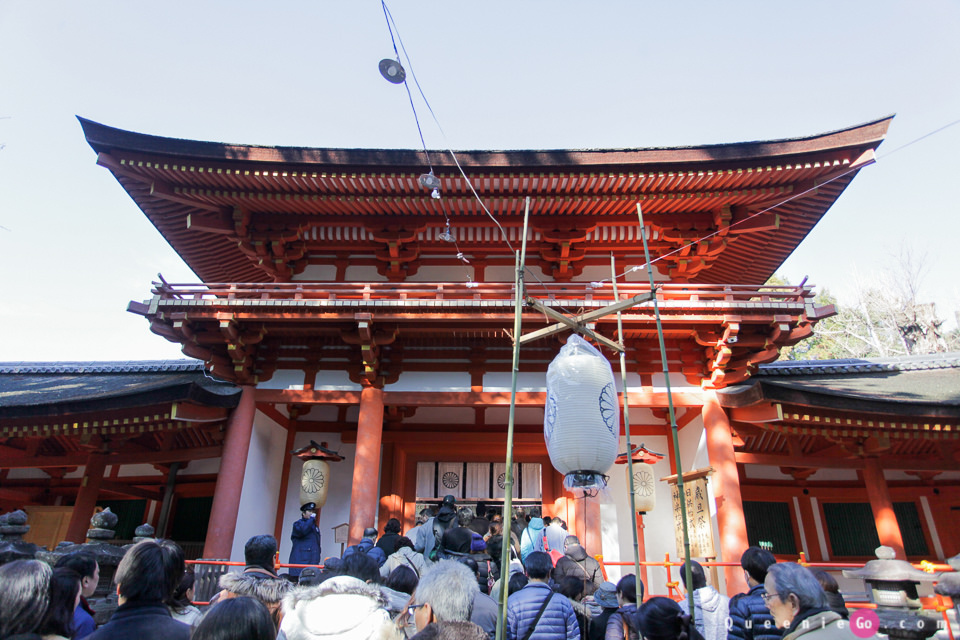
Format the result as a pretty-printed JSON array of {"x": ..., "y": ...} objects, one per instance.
[
  {"x": 887, "y": 527},
  {"x": 726, "y": 490},
  {"x": 86, "y": 498},
  {"x": 366, "y": 464},
  {"x": 233, "y": 464}
]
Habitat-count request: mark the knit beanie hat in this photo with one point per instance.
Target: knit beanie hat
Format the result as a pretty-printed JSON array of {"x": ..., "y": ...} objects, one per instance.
[{"x": 477, "y": 544}]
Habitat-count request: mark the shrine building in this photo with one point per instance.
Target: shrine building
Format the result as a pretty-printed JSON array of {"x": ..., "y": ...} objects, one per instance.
[{"x": 337, "y": 302}]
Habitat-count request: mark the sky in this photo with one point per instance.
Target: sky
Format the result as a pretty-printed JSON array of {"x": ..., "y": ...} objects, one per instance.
[{"x": 74, "y": 249}]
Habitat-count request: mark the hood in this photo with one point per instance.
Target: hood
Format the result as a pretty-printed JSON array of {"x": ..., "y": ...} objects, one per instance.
[
  {"x": 576, "y": 552},
  {"x": 536, "y": 524},
  {"x": 446, "y": 514},
  {"x": 267, "y": 590},
  {"x": 342, "y": 607},
  {"x": 708, "y": 598}
]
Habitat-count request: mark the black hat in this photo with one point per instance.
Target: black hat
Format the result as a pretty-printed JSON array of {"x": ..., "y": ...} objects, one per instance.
[
  {"x": 448, "y": 499},
  {"x": 310, "y": 506}
]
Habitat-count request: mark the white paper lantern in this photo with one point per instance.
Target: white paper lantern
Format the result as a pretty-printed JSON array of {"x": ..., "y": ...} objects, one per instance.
[
  {"x": 314, "y": 482},
  {"x": 581, "y": 424},
  {"x": 644, "y": 487}
]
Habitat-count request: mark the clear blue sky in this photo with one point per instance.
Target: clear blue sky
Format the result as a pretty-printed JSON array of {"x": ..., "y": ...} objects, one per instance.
[{"x": 499, "y": 75}]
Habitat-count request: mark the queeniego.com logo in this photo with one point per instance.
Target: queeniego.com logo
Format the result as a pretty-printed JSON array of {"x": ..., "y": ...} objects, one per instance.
[{"x": 863, "y": 623}]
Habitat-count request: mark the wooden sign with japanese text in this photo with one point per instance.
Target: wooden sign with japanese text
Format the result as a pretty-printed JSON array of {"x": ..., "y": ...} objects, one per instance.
[{"x": 699, "y": 526}]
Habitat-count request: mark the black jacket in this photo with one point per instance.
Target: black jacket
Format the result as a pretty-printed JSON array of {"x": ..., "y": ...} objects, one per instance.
[{"x": 143, "y": 621}]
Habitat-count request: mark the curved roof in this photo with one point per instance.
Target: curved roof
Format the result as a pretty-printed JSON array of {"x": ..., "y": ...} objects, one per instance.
[{"x": 244, "y": 213}]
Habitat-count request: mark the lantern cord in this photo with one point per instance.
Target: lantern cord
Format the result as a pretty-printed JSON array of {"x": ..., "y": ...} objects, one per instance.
[
  {"x": 389, "y": 18},
  {"x": 673, "y": 421},
  {"x": 392, "y": 27},
  {"x": 508, "y": 474},
  {"x": 626, "y": 423}
]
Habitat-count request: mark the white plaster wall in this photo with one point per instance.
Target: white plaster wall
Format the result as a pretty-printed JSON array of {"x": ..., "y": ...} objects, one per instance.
[
  {"x": 261, "y": 483},
  {"x": 677, "y": 381},
  {"x": 337, "y": 509},
  {"x": 521, "y": 415},
  {"x": 502, "y": 381},
  {"x": 455, "y": 274},
  {"x": 444, "y": 415},
  {"x": 138, "y": 470},
  {"x": 200, "y": 467},
  {"x": 616, "y": 529},
  {"x": 334, "y": 381},
  {"x": 317, "y": 273},
  {"x": 31, "y": 474},
  {"x": 431, "y": 381},
  {"x": 284, "y": 379},
  {"x": 360, "y": 273},
  {"x": 508, "y": 274}
]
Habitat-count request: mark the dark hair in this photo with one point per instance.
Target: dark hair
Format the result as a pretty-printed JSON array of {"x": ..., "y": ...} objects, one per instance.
[
  {"x": 392, "y": 526},
  {"x": 547, "y": 520},
  {"x": 627, "y": 587},
  {"x": 661, "y": 618},
  {"x": 260, "y": 551},
  {"x": 178, "y": 600},
  {"x": 150, "y": 571},
  {"x": 538, "y": 565},
  {"x": 403, "y": 579},
  {"x": 517, "y": 581},
  {"x": 571, "y": 586},
  {"x": 82, "y": 562},
  {"x": 403, "y": 541},
  {"x": 25, "y": 596},
  {"x": 481, "y": 509},
  {"x": 471, "y": 564},
  {"x": 755, "y": 561},
  {"x": 827, "y": 582},
  {"x": 240, "y": 618},
  {"x": 696, "y": 575},
  {"x": 495, "y": 548},
  {"x": 362, "y": 567},
  {"x": 64, "y": 587}
]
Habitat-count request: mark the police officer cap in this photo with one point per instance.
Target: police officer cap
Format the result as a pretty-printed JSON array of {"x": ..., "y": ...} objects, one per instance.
[{"x": 310, "y": 506}]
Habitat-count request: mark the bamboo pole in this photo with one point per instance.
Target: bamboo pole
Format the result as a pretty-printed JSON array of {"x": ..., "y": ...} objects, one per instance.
[
  {"x": 626, "y": 421},
  {"x": 508, "y": 475},
  {"x": 673, "y": 419}
]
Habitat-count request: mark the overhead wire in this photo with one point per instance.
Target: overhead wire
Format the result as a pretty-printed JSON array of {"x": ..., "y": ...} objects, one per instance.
[{"x": 392, "y": 27}]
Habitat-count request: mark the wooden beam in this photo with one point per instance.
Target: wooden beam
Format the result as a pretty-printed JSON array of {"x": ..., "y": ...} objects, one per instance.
[
  {"x": 79, "y": 460},
  {"x": 125, "y": 489},
  {"x": 586, "y": 317},
  {"x": 189, "y": 412},
  {"x": 569, "y": 323},
  {"x": 771, "y": 412},
  {"x": 640, "y": 399},
  {"x": 899, "y": 463}
]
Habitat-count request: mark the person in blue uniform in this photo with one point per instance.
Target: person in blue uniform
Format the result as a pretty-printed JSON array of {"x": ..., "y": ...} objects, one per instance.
[{"x": 306, "y": 539}]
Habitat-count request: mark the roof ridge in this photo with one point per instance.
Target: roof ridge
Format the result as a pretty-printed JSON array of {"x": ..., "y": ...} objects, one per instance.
[
  {"x": 93, "y": 366},
  {"x": 918, "y": 362}
]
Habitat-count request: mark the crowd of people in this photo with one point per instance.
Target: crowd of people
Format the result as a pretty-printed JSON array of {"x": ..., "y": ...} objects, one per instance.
[{"x": 440, "y": 581}]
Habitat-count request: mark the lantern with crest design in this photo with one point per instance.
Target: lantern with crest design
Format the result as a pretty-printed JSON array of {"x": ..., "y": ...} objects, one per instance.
[{"x": 582, "y": 416}]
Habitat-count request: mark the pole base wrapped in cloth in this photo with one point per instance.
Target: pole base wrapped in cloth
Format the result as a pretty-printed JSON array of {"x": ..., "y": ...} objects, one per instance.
[{"x": 581, "y": 423}]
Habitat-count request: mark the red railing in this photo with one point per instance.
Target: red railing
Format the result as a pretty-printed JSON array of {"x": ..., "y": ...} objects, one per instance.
[{"x": 666, "y": 292}]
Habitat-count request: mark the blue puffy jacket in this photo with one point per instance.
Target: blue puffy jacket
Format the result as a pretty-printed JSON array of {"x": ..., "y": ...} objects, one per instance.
[
  {"x": 750, "y": 619},
  {"x": 558, "y": 621},
  {"x": 366, "y": 546}
]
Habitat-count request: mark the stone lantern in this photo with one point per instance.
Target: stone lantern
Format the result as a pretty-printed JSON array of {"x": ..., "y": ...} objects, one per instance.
[
  {"x": 949, "y": 584},
  {"x": 892, "y": 585}
]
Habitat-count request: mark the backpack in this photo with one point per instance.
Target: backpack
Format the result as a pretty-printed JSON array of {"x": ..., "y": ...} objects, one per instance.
[{"x": 554, "y": 554}]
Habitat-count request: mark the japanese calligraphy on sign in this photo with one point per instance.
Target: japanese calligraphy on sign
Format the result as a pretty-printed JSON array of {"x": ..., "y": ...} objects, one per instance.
[{"x": 699, "y": 525}]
